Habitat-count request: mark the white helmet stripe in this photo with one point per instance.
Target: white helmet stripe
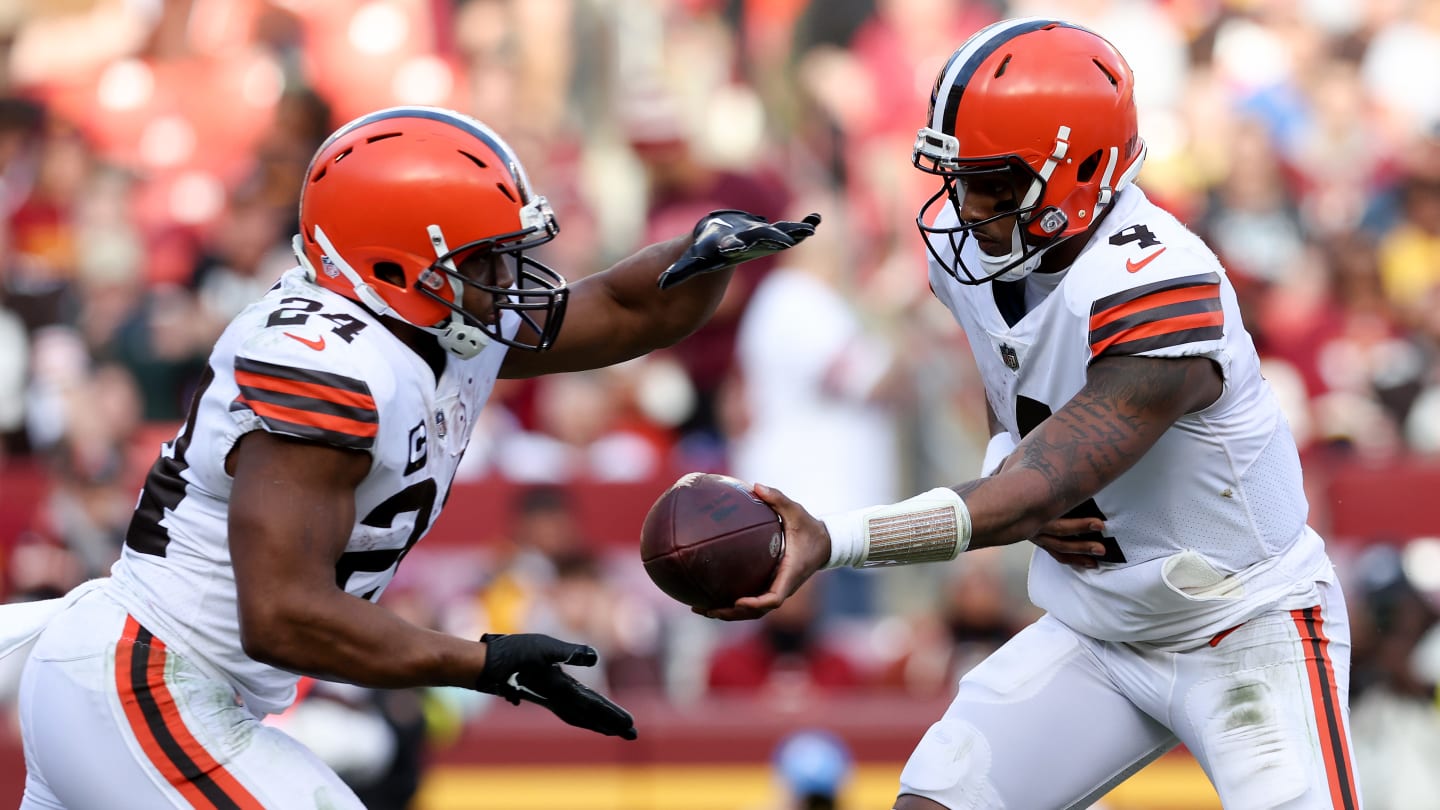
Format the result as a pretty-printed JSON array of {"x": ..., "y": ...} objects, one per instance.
[{"x": 964, "y": 62}]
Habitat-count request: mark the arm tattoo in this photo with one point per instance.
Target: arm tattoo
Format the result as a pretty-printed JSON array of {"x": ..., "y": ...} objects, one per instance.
[{"x": 1125, "y": 406}]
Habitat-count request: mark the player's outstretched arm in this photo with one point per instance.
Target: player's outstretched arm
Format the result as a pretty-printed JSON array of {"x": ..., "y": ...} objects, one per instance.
[
  {"x": 657, "y": 296},
  {"x": 1124, "y": 408}
]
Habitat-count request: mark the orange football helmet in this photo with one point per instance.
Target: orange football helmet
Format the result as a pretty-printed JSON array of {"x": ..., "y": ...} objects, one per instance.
[
  {"x": 1052, "y": 102},
  {"x": 394, "y": 200}
]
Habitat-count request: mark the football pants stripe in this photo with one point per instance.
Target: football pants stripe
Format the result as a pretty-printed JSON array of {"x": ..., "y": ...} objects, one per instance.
[
  {"x": 1325, "y": 695},
  {"x": 156, "y": 723}
]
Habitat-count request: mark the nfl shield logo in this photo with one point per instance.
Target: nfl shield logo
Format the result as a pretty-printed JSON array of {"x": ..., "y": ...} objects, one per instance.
[{"x": 1012, "y": 360}]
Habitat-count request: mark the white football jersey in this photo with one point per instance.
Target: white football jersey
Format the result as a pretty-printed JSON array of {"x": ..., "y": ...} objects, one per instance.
[
  {"x": 1209, "y": 527},
  {"x": 308, "y": 363}
]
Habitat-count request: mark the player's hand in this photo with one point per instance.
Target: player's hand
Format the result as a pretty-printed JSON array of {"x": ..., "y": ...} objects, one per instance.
[
  {"x": 807, "y": 550},
  {"x": 526, "y": 666},
  {"x": 1060, "y": 538},
  {"x": 726, "y": 238}
]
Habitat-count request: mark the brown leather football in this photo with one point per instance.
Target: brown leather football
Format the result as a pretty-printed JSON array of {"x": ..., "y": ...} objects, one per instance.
[{"x": 708, "y": 541}]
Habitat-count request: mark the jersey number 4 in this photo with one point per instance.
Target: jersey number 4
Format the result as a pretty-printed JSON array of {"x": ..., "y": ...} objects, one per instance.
[{"x": 1029, "y": 413}]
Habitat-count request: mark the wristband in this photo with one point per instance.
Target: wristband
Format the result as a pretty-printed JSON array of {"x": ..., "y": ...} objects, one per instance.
[
  {"x": 1001, "y": 445},
  {"x": 933, "y": 526}
]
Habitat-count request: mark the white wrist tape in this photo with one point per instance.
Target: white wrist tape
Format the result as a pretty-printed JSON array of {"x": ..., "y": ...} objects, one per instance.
[
  {"x": 931, "y": 527},
  {"x": 1000, "y": 447}
]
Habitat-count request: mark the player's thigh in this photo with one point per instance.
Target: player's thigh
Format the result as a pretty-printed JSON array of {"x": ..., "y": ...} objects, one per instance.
[
  {"x": 76, "y": 756},
  {"x": 1266, "y": 710},
  {"x": 1038, "y": 724},
  {"x": 109, "y": 722}
]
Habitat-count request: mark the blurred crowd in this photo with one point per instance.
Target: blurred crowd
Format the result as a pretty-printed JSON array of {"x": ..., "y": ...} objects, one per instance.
[{"x": 150, "y": 159}]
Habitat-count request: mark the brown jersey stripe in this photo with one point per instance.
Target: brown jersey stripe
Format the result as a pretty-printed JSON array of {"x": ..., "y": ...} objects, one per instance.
[
  {"x": 300, "y": 388},
  {"x": 1154, "y": 315},
  {"x": 1325, "y": 697},
  {"x": 319, "y": 427},
  {"x": 1099, "y": 319},
  {"x": 156, "y": 723},
  {"x": 1126, "y": 296},
  {"x": 295, "y": 402},
  {"x": 1164, "y": 334},
  {"x": 301, "y": 375}
]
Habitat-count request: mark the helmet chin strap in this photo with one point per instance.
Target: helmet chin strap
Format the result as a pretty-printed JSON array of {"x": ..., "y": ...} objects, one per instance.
[
  {"x": 455, "y": 335},
  {"x": 333, "y": 264},
  {"x": 1025, "y": 265},
  {"x": 457, "y": 338}
]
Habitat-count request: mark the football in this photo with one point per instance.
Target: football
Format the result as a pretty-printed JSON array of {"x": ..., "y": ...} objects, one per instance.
[{"x": 708, "y": 541}]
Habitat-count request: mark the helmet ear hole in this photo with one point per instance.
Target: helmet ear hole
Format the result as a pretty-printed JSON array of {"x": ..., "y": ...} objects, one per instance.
[
  {"x": 390, "y": 273},
  {"x": 1088, "y": 166}
]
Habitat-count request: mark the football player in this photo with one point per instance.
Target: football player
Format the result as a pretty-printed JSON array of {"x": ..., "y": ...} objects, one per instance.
[
  {"x": 1186, "y": 599},
  {"x": 318, "y": 450}
]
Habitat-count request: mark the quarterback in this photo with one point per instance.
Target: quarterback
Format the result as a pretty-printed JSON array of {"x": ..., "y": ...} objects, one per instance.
[
  {"x": 318, "y": 450},
  {"x": 1187, "y": 601}
]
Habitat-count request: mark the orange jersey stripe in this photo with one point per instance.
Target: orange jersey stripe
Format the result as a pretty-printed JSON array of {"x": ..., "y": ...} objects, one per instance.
[
  {"x": 1325, "y": 698},
  {"x": 328, "y": 393},
  {"x": 334, "y": 424},
  {"x": 1163, "y": 327},
  {"x": 1153, "y": 300},
  {"x": 154, "y": 711}
]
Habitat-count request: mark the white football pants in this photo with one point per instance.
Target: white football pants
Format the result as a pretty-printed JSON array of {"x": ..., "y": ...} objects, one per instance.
[
  {"x": 114, "y": 720},
  {"x": 1055, "y": 720}
]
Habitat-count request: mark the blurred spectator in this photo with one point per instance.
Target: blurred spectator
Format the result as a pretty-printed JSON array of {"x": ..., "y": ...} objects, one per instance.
[
  {"x": 1410, "y": 250},
  {"x": 586, "y": 428},
  {"x": 1396, "y": 716},
  {"x": 92, "y": 497},
  {"x": 813, "y": 767},
  {"x": 243, "y": 256},
  {"x": 1252, "y": 219},
  {"x": 784, "y": 657},
  {"x": 45, "y": 187},
  {"x": 681, "y": 186},
  {"x": 1402, "y": 68},
  {"x": 553, "y": 581},
  {"x": 809, "y": 368},
  {"x": 14, "y": 368},
  {"x": 980, "y": 605}
]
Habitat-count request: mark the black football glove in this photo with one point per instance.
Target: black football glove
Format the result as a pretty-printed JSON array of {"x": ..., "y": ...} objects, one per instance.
[
  {"x": 726, "y": 238},
  {"x": 526, "y": 666}
]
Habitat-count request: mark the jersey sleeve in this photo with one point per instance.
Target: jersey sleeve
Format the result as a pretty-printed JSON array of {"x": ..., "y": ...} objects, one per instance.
[
  {"x": 320, "y": 406},
  {"x": 1172, "y": 317}
]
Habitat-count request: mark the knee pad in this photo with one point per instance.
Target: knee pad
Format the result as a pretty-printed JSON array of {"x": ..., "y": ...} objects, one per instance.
[{"x": 951, "y": 765}]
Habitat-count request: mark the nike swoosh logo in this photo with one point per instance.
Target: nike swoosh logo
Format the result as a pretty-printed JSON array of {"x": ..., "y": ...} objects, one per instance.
[
  {"x": 514, "y": 682},
  {"x": 1134, "y": 266},
  {"x": 317, "y": 344}
]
